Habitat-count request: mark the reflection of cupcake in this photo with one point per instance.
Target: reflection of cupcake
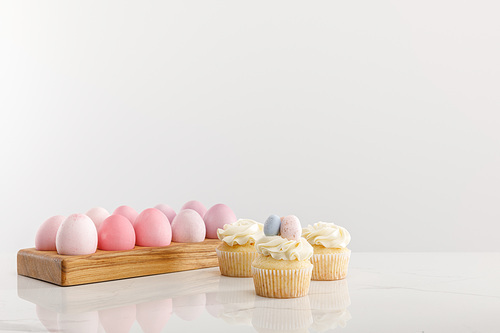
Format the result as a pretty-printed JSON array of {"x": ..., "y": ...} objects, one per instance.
[
  {"x": 237, "y": 299},
  {"x": 329, "y": 302},
  {"x": 282, "y": 315},
  {"x": 331, "y": 255},
  {"x": 237, "y": 250},
  {"x": 283, "y": 268}
]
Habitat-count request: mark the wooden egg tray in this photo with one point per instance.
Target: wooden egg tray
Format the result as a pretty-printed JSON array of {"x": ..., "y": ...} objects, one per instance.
[{"x": 102, "y": 266}]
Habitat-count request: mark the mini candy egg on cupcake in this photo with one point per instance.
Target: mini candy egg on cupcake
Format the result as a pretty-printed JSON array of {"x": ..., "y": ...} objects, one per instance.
[
  {"x": 331, "y": 255},
  {"x": 237, "y": 251},
  {"x": 282, "y": 268}
]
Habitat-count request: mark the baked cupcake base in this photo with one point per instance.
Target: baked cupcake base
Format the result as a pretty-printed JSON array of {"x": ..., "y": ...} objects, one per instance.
[
  {"x": 235, "y": 261},
  {"x": 281, "y": 278},
  {"x": 330, "y": 264}
]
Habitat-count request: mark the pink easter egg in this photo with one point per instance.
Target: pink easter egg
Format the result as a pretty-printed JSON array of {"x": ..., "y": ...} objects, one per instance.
[
  {"x": 77, "y": 235},
  {"x": 167, "y": 210},
  {"x": 188, "y": 227},
  {"x": 196, "y": 206},
  {"x": 45, "y": 239},
  {"x": 116, "y": 234},
  {"x": 128, "y": 212},
  {"x": 216, "y": 217},
  {"x": 152, "y": 228},
  {"x": 97, "y": 215},
  {"x": 291, "y": 228}
]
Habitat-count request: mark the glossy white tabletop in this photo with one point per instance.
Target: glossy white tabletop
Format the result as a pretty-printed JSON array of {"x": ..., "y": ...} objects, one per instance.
[{"x": 384, "y": 292}]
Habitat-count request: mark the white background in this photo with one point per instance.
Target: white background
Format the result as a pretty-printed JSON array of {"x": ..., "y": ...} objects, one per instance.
[{"x": 381, "y": 116}]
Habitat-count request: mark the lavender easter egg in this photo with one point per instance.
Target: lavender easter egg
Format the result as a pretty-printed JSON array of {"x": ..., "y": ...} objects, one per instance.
[
  {"x": 152, "y": 228},
  {"x": 116, "y": 234},
  {"x": 167, "y": 210},
  {"x": 291, "y": 228},
  {"x": 77, "y": 235},
  {"x": 97, "y": 215},
  {"x": 45, "y": 239},
  {"x": 196, "y": 206},
  {"x": 128, "y": 212},
  {"x": 216, "y": 217},
  {"x": 188, "y": 227}
]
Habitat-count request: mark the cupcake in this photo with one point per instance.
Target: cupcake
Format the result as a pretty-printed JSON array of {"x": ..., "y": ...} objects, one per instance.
[
  {"x": 331, "y": 255},
  {"x": 237, "y": 251},
  {"x": 282, "y": 268}
]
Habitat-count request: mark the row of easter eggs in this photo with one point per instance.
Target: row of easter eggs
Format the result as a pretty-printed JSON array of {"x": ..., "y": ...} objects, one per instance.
[{"x": 80, "y": 234}]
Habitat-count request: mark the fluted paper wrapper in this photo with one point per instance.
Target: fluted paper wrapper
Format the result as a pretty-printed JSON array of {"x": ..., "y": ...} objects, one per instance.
[
  {"x": 236, "y": 264},
  {"x": 281, "y": 283},
  {"x": 329, "y": 267}
]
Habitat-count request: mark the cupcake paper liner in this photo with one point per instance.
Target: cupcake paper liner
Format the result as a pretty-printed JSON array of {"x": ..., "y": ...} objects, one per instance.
[
  {"x": 329, "y": 267},
  {"x": 286, "y": 283},
  {"x": 235, "y": 264}
]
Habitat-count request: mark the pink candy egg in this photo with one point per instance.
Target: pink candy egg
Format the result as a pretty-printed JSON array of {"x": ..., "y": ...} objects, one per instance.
[
  {"x": 167, "y": 210},
  {"x": 116, "y": 234},
  {"x": 45, "y": 239},
  {"x": 77, "y": 235},
  {"x": 188, "y": 227},
  {"x": 97, "y": 215},
  {"x": 291, "y": 228},
  {"x": 128, "y": 212},
  {"x": 216, "y": 217},
  {"x": 196, "y": 206},
  {"x": 152, "y": 228}
]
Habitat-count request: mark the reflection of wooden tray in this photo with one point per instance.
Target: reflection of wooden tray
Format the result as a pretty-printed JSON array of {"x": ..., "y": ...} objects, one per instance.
[{"x": 112, "y": 265}]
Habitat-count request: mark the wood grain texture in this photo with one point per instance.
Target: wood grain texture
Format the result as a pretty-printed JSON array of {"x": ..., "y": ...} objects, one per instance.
[{"x": 112, "y": 265}]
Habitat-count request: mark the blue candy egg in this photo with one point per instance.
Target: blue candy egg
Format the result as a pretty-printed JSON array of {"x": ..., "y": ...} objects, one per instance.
[{"x": 272, "y": 225}]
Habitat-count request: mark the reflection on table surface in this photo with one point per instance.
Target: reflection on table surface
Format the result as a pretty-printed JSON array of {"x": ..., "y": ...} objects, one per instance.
[{"x": 113, "y": 307}]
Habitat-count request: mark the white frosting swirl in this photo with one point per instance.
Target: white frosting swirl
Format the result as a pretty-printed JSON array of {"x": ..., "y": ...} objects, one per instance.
[
  {"x": 241, "y": 232},
  {"x": 284, "y": 249},
  {"x": 327, "y": 234}
]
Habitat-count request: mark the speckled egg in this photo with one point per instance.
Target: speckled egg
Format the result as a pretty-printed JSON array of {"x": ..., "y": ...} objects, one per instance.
[
  {"x": 291, "y": 228},
  {"x": 272, "y": 225},
  {"x": 77, "y": 235},
  {"x": 188, "y": 227},
  {"x": 45, "y": 239},
  {"x": 216, "y": 217},
  {"x": 97, "y": 215},
  {"x": 128, "y": 212},
  {"x": 116, "y": 234},
  {"x": 167, "y": 210},
  {"x": 196, "y": 206},
  {"x": 152, "y": 228}
]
